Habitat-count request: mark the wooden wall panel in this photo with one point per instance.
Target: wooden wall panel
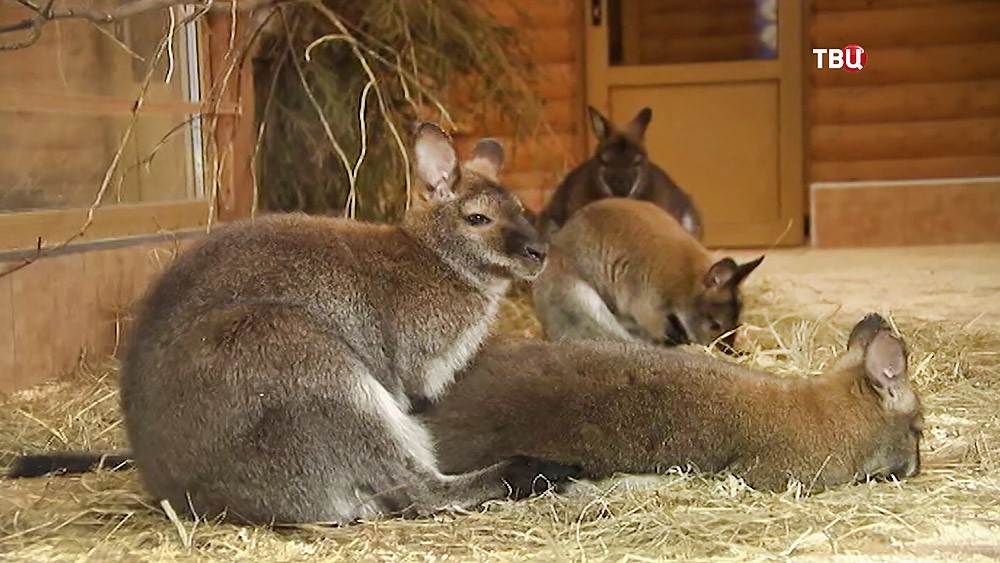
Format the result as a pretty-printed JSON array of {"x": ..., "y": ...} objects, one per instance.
[
  {"x": 851, "y": 5},
  {"x": 62, "y": 309},
  {"x": 902, "y": 102},
  {"x": 923, "y": 213},
  {"x": 926, "y": 105},
  {"x": 924, "y": 64},
  {"x": 906, "y": 168},
  {"x": 51, "y": 311},
  {"x": 553, "y": 34},
  {"x": 908, "y": 139},
  {"x": 930, "y": 24},
  {"x": 7, "y": 361}
]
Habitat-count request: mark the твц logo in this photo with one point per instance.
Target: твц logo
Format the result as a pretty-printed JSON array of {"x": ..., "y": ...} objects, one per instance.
[{"x": 851, "y": 58}]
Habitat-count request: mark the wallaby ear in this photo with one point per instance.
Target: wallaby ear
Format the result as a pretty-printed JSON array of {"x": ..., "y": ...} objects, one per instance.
[
  {"x": 487, "y": 159},
  {"x": 866, "y": 329},
  {"x": 637, "y": 126},
  {"x": 436, "y": 162},
  {"x": 720, "y": 274},
  {"x": 598, "y": 123},
  {"x": 743, "y": 270},
  {"x": 885, "y": 368}
]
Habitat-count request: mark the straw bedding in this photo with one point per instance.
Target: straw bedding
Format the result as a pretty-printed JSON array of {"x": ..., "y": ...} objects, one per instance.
[{"x": 949, "y": 512}]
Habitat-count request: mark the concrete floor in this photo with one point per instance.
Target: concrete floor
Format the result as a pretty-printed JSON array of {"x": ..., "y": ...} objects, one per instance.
[{"x": 956, "y": 283}]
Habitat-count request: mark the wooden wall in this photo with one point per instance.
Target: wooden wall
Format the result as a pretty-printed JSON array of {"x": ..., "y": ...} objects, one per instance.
[
  {"x": 68, "y": 308},
  {"x": 927, "y": 105},
  {"x": 553, "y": 34}
]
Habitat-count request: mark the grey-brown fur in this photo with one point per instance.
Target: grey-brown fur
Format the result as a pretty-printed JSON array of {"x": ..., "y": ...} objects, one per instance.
[
  {"x": 620, "y": 167},
  {"x": 614, "y": 407},
  {"x": 272, "y": 368},
  {"x": 623, "y": 269}
]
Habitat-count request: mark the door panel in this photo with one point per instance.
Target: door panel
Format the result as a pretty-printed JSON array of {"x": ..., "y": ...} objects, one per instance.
[
  {"x": 723, "y": 146},
  {"x": 724, "y": 82}
]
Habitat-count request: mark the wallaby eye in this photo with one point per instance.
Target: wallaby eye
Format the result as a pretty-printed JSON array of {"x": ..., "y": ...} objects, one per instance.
[{"x": 477, "y": 219}]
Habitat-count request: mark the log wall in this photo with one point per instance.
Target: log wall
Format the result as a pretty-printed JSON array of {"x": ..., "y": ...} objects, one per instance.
[
  {"x": 552, "y": 31},
  {"x": 926, "y": 105}
]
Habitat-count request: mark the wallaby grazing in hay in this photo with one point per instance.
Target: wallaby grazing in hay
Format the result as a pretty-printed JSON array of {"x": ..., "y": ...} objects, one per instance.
[
  {"x": 621, "y": 168},
  {"x": 623, "y": 269},
  {"x": 271, "y": 373},
  {"x": 620, "y": 408}
]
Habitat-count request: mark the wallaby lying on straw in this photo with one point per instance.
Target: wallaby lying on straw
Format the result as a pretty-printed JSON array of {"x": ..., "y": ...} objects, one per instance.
[
  {"x": 623, "y": 269},
  {"x": 615, "y": 407},
  {"x": 272, "y": 370},
  {"x": 620, "y": 167}
]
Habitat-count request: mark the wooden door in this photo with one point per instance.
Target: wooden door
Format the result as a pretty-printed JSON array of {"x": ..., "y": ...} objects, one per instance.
[{"x": 727, "y": 104}]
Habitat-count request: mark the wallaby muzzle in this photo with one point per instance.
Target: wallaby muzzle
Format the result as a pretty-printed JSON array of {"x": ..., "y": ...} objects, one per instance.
[{"x": 522, "y": 240}]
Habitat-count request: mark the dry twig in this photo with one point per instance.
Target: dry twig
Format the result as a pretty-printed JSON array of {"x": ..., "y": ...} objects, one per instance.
[{"x": 42, "y": 14}]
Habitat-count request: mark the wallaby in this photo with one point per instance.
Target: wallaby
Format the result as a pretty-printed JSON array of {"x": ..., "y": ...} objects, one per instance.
[
  {"x": 620, "y": 167},
  {"x": 272, "y": 369},
  {"x": 623, "y": 269},
  {"x": 620, "y": 408}
]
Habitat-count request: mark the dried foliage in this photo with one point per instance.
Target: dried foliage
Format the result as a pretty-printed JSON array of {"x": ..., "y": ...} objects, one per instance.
[{"x": 339, "y": 85}]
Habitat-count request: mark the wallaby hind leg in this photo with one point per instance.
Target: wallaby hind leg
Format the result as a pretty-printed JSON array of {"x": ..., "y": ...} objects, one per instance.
[
  {"x": 356, "y": 455},
  {"x": 516, "y": 477},
  {"x": 415, "y": 487},
  {"x": 570, "y": 309}
]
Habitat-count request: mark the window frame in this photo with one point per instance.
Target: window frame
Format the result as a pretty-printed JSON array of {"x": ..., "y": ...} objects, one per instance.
[{"x": 227, "y": 122}]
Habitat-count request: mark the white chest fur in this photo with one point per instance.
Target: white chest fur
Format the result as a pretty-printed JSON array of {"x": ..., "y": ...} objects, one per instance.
[{"x": 439, "y": 372}]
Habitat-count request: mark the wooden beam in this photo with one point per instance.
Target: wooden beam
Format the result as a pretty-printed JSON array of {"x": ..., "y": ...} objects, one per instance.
[
  {"x": 23, "y": 230},
  {"x": 742, "y": 71},
  {"x": 906, "y": 169},
  {"x": 933, "y": 24},
  {"x": 906, "y": 102},
  {"x": 909, "y": 65},
  {"x": 916, "y": 139},
  {"x": 234, "y": 135},
  {"x": 849, "y": 5},
  {"x": 49, "y": 102}
]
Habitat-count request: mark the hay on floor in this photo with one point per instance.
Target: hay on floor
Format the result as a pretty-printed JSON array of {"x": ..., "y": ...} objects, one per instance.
[{"x": 951, "y": 511}]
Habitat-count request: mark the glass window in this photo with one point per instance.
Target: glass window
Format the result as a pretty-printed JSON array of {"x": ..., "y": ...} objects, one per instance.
[
  {"x": 657, "y": 32},
  {"x": 65, "y": 108}
]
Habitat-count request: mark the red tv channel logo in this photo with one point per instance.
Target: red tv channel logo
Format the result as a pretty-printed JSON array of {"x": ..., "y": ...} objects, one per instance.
[{"x": 851, "y": 58}]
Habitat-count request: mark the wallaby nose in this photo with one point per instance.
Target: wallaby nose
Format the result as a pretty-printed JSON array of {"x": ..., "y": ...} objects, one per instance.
[{"x": 536, "y": 251}]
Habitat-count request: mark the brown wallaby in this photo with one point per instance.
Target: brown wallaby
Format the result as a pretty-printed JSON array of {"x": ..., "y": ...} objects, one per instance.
[
  {"x": 620, "y": 408},
  {"x": 622, "y": 269},
  {"x": 620, "y": 167},
  {"x": 273, "y": 367}
]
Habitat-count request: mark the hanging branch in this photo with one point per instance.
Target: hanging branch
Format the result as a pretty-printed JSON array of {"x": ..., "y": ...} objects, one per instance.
[
  {"x": 233, "y": 57},
  {"x": 44, "y": 13}
]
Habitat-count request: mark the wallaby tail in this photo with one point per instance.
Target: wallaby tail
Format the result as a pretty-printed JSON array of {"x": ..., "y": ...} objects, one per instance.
[{"x": 68, "y": 463}]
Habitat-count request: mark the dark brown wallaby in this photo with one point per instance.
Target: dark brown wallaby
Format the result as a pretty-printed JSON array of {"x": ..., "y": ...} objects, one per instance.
[
  {"x": 272, "y": 369},
  {"x": 620, "y": 167},
  {"x": 623, "y": 269},
  {"x": 619, "y": 408}
]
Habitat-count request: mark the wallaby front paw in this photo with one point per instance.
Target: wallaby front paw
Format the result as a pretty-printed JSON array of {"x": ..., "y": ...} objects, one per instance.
[{"x": 527, "y": 475}]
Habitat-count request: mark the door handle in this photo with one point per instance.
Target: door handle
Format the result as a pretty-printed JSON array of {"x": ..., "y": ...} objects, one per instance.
[{"x": 595, "y": 13}]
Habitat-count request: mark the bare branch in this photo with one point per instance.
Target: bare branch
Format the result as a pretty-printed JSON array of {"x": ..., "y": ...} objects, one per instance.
[{"x": 44, "y": 14}]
